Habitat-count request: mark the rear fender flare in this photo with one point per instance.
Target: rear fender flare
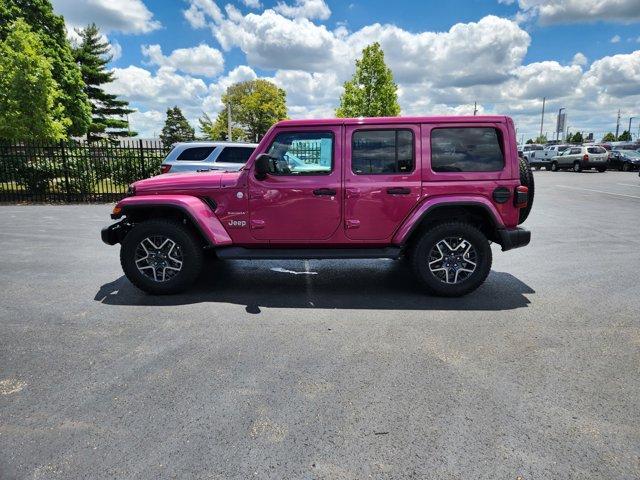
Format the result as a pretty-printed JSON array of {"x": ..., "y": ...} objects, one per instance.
[
  {"x": 200, "y": 213},
  {"x": 429, "y": 205}
]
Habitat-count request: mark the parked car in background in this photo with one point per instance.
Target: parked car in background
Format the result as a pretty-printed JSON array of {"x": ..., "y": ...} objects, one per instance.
[
  {"x": 543, "y": 158},
  {"x": 625, "y": 160},
  {"x": 195, "y": 156},
  {"x": 580, "y": 158},
  {"x": 531, "y": 151}
]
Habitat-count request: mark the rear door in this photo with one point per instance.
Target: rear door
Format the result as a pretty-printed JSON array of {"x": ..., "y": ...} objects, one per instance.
[{"x": 382, "y": 178}]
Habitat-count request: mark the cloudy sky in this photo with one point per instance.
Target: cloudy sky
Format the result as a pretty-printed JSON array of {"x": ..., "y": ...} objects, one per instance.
[{"x": 507, "y": 55}]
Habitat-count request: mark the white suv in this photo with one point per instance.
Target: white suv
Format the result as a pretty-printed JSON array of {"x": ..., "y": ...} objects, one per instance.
[
  {"x": 198, "y": 156},
  {"x": 581, "y": 157}
]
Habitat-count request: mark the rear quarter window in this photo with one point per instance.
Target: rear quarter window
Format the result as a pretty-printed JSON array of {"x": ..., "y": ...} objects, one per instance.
[
  {"x": 195, "y": 153},
  {"x": 466, "y": 149},
  {"x": 234, "y": 155}
]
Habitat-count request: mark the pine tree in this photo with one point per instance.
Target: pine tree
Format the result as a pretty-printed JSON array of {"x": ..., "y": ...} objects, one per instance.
[
  {"x": 176, "y": 128},
  {"x": 29, "y": 106},
  {"x": 108, "y": 112},
  {"x": 39, "y": 15},
  {"x": 371, "y": 92}
]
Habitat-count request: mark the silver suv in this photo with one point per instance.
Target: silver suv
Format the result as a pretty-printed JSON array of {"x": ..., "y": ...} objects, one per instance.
[
  {"x": 581, "y": 157},
  {"x": 195, "y": 156}
]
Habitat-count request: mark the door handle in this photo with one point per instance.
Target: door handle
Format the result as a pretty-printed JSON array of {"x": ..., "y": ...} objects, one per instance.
[
  {"x": 398, "y": 191},
  {"x": 324, "y": 191}
]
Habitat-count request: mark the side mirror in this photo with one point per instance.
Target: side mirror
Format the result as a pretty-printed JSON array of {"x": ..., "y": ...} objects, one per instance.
[{"x": 262, "y": 166}]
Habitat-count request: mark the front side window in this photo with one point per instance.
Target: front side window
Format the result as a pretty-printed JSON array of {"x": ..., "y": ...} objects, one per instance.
[
  {"x": 302, "y": 153},
  {"x": 382, "y": 152},
  {"x": 468, "y": 149},
  {"x": 234, "y": 155},
  {"x": 576, "y": 151},
  {"x": 195, "y": 153}
]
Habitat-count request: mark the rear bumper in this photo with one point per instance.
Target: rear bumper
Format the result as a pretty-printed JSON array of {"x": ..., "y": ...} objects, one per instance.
[
  {"x": 114, "y": 233},
  {"x": 513, "y": 238}
]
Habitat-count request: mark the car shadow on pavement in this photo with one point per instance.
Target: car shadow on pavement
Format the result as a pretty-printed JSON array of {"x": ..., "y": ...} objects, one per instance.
[{"x": 372, "y": 284}]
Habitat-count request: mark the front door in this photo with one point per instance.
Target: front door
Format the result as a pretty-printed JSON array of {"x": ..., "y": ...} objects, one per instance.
[
  {"x": 382, "y": 178},
  {"x": 300, "y": 200}
]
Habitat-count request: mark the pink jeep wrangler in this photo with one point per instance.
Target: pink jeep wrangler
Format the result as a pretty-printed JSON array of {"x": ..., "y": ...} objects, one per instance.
[{"x": 436, "y": 190}]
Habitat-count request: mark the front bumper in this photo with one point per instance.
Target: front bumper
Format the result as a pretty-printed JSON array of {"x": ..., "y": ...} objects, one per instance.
[
  {"x": 513, "y": 238},
  {"x": 114, "y": 233}
]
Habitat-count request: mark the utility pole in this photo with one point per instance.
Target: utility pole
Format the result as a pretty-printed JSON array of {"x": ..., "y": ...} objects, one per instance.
[
  {"x": 618, "y": 125},
  {"x": 544, "y": 99},
  {"x": 630, "y": 118},
  {"x": 475, "y": 109},
  {"x": 229, "y": 134}
]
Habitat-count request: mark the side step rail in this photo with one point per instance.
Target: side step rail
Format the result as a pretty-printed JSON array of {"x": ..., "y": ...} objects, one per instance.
[{"x": 242, "y": 253}]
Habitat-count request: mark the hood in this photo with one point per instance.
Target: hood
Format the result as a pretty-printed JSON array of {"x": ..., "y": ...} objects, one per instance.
[{"x": 187, "y": 182}]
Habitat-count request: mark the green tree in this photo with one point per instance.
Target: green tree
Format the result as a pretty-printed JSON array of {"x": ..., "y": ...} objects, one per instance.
[
  {"x": 625, "y": 136},
  {"x": 541, "y": 139},
  {"x": 530, "y": 141},
  {"x": 255, "y": 106},
  {"x": 371, "y": 92},
  {"x": 609, "y": 137},
  {"x": 176, "y": 128},
  {"x": 29, "y": 107},
  {"x": 43, "y": 21},
  {"x": 108, "y": 112}
]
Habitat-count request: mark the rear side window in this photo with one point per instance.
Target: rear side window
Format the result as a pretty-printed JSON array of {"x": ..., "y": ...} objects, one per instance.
[
  {"x": 234, "y": 155},
  {"x": 382, "y": 152},
  {"x": 562, "y": 149},
  {"x": 596, "y": 150},
  {"x": 195, "y": 153},
  {"x": 473, "y": 149}
]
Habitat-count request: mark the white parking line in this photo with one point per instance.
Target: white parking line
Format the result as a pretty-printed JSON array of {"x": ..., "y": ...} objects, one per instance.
[
  {"x": 628, "y": 185},
  {"x": 599, "y": 191}
]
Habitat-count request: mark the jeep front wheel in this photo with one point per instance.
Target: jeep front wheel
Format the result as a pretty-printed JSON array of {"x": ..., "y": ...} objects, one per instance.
[
  {"x": 452, "y": 259},
  {"x": 161, "y": 257}
]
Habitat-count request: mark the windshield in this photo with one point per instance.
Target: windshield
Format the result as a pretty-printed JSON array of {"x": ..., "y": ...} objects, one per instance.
[{"x": 631, "y": 153}]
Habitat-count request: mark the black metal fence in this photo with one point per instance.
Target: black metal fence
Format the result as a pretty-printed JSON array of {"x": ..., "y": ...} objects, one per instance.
[{"x": 75, "y": 171}]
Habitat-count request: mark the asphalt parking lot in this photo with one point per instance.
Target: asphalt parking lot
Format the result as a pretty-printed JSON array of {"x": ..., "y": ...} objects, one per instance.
[{"x": 327, "y": 370}]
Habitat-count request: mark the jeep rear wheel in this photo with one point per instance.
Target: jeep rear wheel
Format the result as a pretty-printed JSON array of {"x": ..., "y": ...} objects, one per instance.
[
  {"x": 452, "y": 259},
  {"x": 161, "y": 257}
]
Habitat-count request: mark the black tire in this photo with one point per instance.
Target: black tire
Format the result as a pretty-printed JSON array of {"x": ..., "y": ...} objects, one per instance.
[
  {"x": 548, "y": 168},
  {"x": 538, "y": 167},
  {"x": 602, "y": 169},
  {"x": 526, "y": 179},
  {"x": 422, "y": 249},
  {"x": 190, "y": 249},
  {"x": 626, "y": 167},
  {"x": 577, "y": 167},
  {"x": 554, "y": 166}
]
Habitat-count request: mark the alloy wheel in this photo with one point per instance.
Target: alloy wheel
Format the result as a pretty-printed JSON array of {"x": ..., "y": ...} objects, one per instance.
[
  {"x": 452, "y": 260},
  {"x": 159, "y": 258}
]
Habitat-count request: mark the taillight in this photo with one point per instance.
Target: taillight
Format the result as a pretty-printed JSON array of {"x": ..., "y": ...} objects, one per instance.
[
  {"x": 165, "y": 168},
  {"x": 521, "y": 197},
  {"x": 585, "y": 158}
]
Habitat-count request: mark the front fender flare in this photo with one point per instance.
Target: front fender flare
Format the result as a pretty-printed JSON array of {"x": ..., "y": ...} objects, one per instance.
[
  {"x": 201, "y": 214},
  {"x": 428, "y": 205}
]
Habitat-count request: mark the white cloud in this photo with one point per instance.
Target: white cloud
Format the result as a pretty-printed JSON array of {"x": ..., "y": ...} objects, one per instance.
[
  {"x": 574, "y": 11},
  {"x": 126, "y": 16},
  {"x": 201, "y": 60},
  {"x": 200, "y": 11},
  {"x": 252, "y": 3},
  {"x": 615, "y": 39},
  {"x": 579, "y": 59},
  {"x": 304, "y": 9},
  {"x": 615, "y": 76}
]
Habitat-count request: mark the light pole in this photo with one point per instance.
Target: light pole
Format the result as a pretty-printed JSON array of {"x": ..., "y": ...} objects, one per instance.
[
  {"x": 630, "y": 118},
  {"x": 559, "y": 125},
  {"x": 544, "y": 99}
]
